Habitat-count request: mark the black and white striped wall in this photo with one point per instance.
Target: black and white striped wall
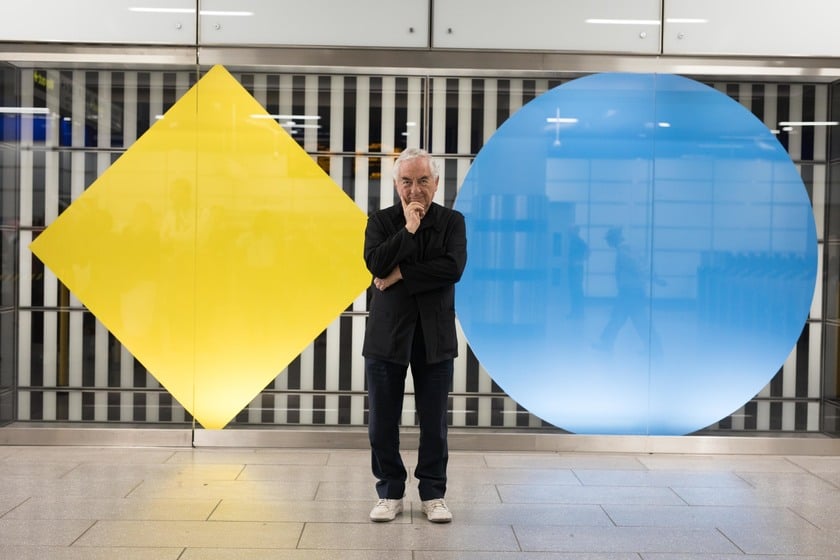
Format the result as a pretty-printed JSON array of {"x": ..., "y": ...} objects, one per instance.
[{"x": 70, "y": 369}]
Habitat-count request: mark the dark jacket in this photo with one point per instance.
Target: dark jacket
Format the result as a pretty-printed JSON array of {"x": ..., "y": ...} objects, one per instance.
[{"x": 431, "y": 262}]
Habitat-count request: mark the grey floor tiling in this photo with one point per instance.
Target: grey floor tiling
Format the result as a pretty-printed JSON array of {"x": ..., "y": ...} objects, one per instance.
[
  {"x": 164, "y": 509},
  {"x": 780, "y": 496},
  {"x": 345, "y": 511},
  {"x": 623, "y": 539},
  {"x": 88, "y": 503},
  {"x": 705, "y": 516},
  {"x": 458, "y": 475},
  {"x": 105, "y": 553},
  {"x": 437, "y": 555},
  {"x": 564, "y": 461},
  {"x": 305, "y": 473},
  {"x": 263, "y": 554},
  {"x": 541, "y": 494},
  {"x": 42, "y": 532},
  {"x": 277, "y": 490},
  {"x": 740, "y": 556},
  {"x": 157, "y": 472},
  {"x": 723, "y": 463},
  {"x": 417, "y": 536},
  {"x": 784, "y": 541},
  {"x": 616, "y": 477},
  {"x": 214, "y": 534}
]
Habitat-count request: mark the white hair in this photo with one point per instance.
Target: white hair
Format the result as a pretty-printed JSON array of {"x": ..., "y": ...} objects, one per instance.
[{"x": 411, "y": 153}]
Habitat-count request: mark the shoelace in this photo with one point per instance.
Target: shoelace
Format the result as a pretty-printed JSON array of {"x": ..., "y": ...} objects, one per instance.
[{"x": 437, "y": 505}]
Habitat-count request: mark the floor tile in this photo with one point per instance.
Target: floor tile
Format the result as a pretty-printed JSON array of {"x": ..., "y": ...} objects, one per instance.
[
  {"x": 322, "y": 511},
  {"x": 546, "y": 515},
  {"x": 723, "y": 463},
  {"x": 702, "y": 556},
  {"x": 215, "y": 534},
  {"x": 542, "y": 494},
  {"x": 250, "y": 457},
  {"x": 563, "y": 461},
  {"x": 196, "y": 489},
  {"x": 31, "y": 532},
  {"x": 61, "y": 507},
  {"x": 262, "y": 554},
  {"x": 420, "y": 535},
  {"x": 77, "y": 553},
  {"x": 704, "y": 516},
  {"x": 623, "y": 540},
  {"x": 438, "y": 555},
  {"x": 512, "y": 475},
  {"x": 308, "y": 473},
  {"x": 664, "y": 478},
  {"x": 784, "y": 541}
]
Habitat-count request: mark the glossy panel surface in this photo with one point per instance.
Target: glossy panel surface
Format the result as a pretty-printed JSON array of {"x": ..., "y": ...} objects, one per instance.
[
  {"x": 751, "y": 27},
  {"x": 361, "y": 23},
  {"x": 181, "y": 249},
  {"x": 629, "y": 26},
  {"x": 642, "y": 255},
  {"x": 100, "y": 21}
]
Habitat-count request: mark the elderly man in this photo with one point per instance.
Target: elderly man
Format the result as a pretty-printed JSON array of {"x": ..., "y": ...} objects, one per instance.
[{"x": 416, "y": 251}]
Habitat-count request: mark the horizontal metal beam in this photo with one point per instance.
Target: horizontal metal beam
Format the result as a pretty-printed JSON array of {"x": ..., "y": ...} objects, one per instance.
[
  {"x": 477, "y": 439},
  {"x": 414, "y": 61}
]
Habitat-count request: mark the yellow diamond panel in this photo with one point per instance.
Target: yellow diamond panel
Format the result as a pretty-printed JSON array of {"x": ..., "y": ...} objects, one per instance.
[{"x": 242, "y": 249}]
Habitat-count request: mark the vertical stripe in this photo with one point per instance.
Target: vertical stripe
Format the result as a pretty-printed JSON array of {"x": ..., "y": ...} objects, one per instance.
[
  {"x": 386, "y": 183},
  {"x": 762, "y": 414},
  {"x": 814, "y": 360},
  {"x": 130, "y": 108},
  {"x": 738, "y": 419},
  {"x": 795, "y": 108},
  {"x": 400, "y": 114},
  {"x": 414, "y": 113},
  {"x": 344, "y": 354},
  {"x": 464, "y": 116},
  {"x": 490, "y": 111},
  {"x": 515, "y": 96},
  {"x": 409, "y": 415},
  {"x": 459, "y": 411},
  {"x": 476, "y": 105},
  {"x": 388, "y": 123},
  {"x": 310, "y": 95},
  {"x": 374, "y": 123},
  {"x": 100, "y": 371},
  {"x": 306, "y": 384},
  {"x": 126, "y": 413},
  {"x": 818, "y": 200},
  {"x": 770, "y": 102},
  {"x": 363, "y": 110},
  {"x": 438, "y": 115},
  {"x": 820, "y": 111},
  {"x": 744, "y": 96},
  {"x": 357, "y": 375},
  {"x": 451, "y": 109}
]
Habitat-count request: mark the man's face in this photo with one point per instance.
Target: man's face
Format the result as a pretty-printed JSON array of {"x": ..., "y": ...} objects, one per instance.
[{"x": 415, "y": 182}]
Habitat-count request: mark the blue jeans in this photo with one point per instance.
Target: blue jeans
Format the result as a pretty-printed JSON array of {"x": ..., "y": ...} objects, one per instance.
[{"x": 386, "y": 388}]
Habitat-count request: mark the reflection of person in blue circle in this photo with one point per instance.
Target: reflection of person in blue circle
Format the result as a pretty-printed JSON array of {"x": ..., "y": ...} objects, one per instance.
[
  {"x": 578, "y": 253},
  {"x": 631, "y": 300}
]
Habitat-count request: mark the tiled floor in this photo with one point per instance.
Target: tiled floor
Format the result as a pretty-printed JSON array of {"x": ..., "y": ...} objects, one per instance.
[{"x": 91, "y": 503}]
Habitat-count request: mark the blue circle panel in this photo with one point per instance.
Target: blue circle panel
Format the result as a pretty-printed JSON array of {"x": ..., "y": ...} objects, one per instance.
[{"x": 642, "y": 255}]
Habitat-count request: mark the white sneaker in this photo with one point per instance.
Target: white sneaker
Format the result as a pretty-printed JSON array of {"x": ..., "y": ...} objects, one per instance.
[
  {"x": 436, "y": 511},
  {"x": 386, "y": 510}
]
